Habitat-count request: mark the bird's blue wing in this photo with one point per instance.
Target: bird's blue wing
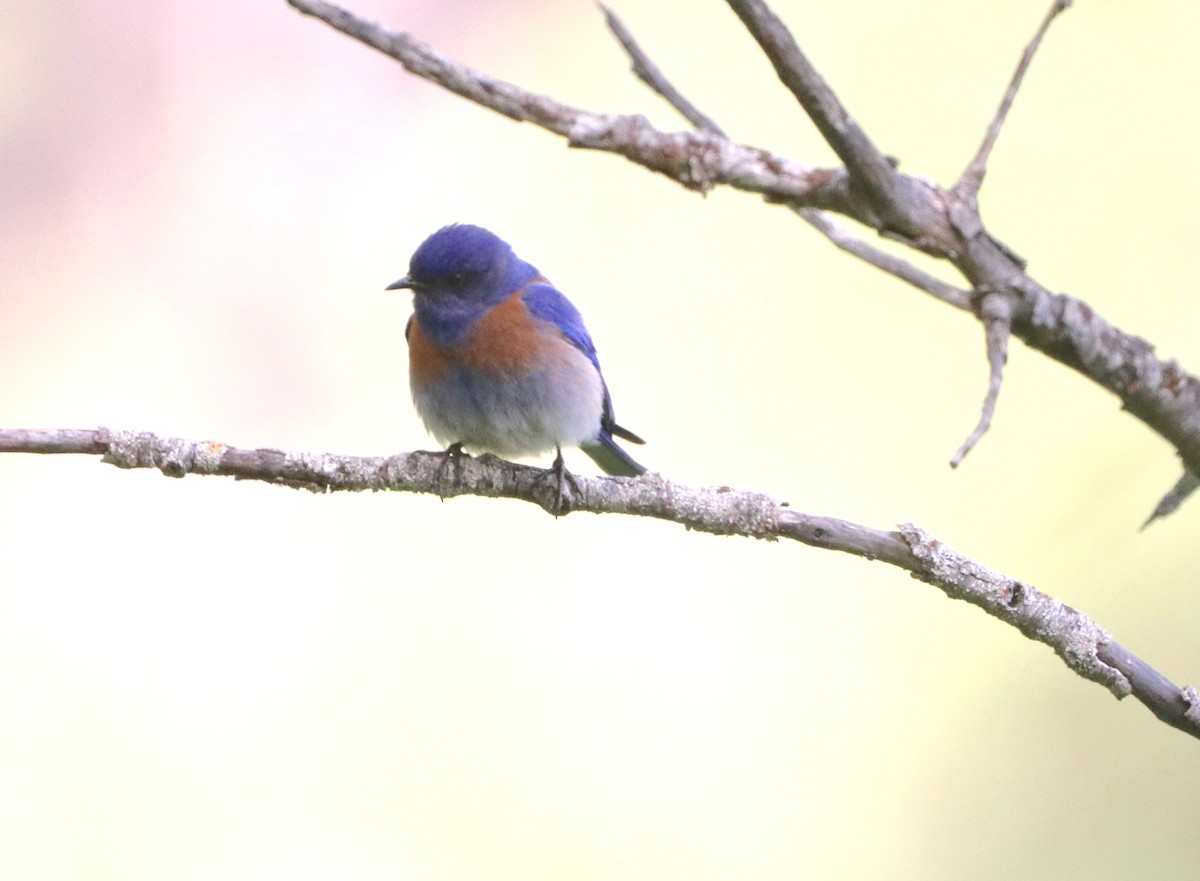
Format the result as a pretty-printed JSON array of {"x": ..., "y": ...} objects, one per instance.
[{"x": 546, "y": 302}]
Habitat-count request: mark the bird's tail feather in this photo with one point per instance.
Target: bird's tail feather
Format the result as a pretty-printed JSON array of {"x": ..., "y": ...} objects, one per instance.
[
  {"x": 611, "y": 458},
  {"x": 625, "y": 433}
]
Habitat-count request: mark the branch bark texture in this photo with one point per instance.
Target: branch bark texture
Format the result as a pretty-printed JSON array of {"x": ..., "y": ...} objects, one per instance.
[
  {"x": 1080, "y": 642},
  {"x": 944, "y": 222}
]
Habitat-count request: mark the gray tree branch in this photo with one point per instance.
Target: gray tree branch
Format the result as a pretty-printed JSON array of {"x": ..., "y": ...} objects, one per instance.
[
  {"x": 869, "y": 189},
  {"x": 972, "y": 177},
  {"x": 996, "y": 311},
  {"x": 1079, "y": 641},
  {"x": 905, "y": 207},
  {"x": 649, "y": 73}
]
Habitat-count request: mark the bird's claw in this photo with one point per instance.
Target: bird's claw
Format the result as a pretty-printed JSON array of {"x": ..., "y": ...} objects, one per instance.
[
  {"x": 452, "y": 458},
  {"x": 562, "y": 503}
]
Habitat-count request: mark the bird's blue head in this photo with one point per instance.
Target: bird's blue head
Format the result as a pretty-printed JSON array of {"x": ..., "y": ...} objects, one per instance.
[{"x": 463, "y": 263}]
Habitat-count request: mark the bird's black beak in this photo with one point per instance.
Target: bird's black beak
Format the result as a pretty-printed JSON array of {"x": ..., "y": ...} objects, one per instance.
[{"x": 400, "y": 283}]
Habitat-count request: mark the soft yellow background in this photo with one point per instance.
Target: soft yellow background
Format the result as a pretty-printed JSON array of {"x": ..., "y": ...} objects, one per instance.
[{"x": 200, "y": 204}]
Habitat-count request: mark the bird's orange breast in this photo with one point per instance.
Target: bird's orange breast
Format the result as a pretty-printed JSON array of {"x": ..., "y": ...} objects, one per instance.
[
  {"x": 506, "y": 340},
  {"x": 427, "y": 361}
]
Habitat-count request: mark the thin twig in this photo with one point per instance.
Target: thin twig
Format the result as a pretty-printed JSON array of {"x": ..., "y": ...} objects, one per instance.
[
  {"x": 972, "y": 177},
  {"x": 880, "y": 259},
  {"x": 996, "y": 313},
  {"x": 697, "y": 160},
  {"x": 1079, "y": 641},
  {"x": 650, "y": 74},
  {"x": 647, "y": 71},
  {"x": 1158, "y": 392}
]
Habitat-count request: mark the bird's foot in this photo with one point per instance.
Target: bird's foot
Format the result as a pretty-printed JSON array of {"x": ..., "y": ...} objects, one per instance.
[
  {"x": 452, "y": 459},
  {"x": 562, "y": 479}
]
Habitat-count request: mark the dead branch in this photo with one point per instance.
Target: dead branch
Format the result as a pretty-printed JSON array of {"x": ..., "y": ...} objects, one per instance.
[
  {"x": 1079, "y": 641},
  {"x": 650, "y": 74},
  {"x": 972, "y": 177},
  {"x": 869, "y": 189}
]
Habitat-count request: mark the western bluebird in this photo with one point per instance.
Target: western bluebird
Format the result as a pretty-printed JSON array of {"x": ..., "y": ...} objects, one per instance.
[{"x": 499, "y": 360}]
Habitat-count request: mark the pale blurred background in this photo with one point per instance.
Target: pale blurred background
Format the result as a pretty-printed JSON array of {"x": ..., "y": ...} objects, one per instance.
[{"x": 200, "y": 205}]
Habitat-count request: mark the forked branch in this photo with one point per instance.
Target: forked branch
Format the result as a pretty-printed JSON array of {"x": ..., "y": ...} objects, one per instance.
[
  {"x": 915, "y": 211},
  {"x": 650, "y": 74}
]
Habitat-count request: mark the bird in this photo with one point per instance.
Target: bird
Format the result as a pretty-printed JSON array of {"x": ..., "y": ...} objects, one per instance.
[{"x": 500, "y": 360}]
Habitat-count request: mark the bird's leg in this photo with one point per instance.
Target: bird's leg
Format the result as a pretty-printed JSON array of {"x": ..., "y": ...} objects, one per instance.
[
  {"x": 562, "y": 477},
  {"x": 452, "y": 457}
]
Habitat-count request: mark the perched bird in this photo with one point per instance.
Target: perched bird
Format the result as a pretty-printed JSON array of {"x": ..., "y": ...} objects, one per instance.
[{"x": 499, "y": 360}]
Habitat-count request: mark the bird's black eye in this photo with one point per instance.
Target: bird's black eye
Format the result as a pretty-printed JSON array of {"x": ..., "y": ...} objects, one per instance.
[{"x": 457, "y": 277}]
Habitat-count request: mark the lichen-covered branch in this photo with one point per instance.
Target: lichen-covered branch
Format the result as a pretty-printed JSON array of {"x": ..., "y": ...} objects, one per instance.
[
  {"x": 698, "y": 160},
  {"x": 650, "y": 74},
  {"x": 947, "y": 223},
  {"x": 1082, "y": 644},
  {"x": 916, "y": 211}
]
